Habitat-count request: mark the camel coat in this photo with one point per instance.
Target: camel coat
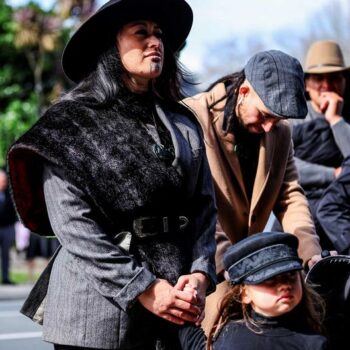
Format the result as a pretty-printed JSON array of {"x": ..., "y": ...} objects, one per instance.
[{"x": 276, "y": 186}]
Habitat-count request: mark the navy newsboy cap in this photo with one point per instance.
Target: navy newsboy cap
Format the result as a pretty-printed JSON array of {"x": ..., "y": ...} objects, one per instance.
[
  {"x": 261, "y": 256},
  {"x": 278, "y": 79}
]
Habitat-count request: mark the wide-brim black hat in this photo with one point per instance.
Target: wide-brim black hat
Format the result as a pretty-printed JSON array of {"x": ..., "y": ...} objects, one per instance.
[{"x": 96, "y": 34}]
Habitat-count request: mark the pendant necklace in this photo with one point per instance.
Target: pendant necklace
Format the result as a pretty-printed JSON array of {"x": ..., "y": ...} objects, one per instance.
[{"x": 162, "y": 152}]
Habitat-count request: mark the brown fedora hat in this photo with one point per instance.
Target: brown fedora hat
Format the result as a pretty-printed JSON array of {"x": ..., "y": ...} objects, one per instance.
[
  {"x": 97, "y": 33},
  {"x": 324, "y": 56}
]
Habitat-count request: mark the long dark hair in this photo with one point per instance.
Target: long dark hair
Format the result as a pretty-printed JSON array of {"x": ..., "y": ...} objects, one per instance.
[
  {"x": 102, "y": 85},
  {"x": 232, "y": 82}
]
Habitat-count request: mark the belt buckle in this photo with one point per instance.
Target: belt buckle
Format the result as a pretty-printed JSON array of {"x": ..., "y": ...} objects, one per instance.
[
  {"x": 138, "y": 226},
  {"x": 162, "y": 224},
  {"x": 183, "y": 222}
]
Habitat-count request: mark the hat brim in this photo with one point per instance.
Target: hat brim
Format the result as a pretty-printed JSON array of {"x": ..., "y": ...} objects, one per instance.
[
  {"x": 294, "y": 116},
  {"x": 98, "y": 33},
  {"x": 325, "y": 69},
  {"x": 273, "y": 270}
]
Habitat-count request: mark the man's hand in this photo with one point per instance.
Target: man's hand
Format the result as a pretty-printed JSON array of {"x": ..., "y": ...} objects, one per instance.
[
  {"x": 331, "y": 104},
  {"x": 170, "y": 303},
  {"x": 314, "y": 259}
]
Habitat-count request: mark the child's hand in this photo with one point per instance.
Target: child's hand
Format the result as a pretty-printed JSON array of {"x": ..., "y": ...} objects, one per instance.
[
  {"x": 196, "y": 285},
  {"x": 190, "y": 289}
]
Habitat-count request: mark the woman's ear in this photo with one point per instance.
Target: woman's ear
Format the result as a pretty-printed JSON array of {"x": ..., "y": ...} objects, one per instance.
[{"x": 245, "y": 297}]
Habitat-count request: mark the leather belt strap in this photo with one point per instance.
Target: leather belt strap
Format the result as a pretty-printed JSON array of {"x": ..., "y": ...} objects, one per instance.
[{"x": 147, "y": 226}]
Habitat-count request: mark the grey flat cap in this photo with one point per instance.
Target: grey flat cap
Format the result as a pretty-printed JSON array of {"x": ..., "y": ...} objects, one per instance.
[{"x": 278, "y": 79}]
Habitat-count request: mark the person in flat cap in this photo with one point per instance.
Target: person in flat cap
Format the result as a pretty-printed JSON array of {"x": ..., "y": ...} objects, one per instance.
[
  {"x": 248, "y": 143},
  {"x": 116, "y": 169},
  {"x": 268, "y": 305},
  {"x": 321, "y": 140}
]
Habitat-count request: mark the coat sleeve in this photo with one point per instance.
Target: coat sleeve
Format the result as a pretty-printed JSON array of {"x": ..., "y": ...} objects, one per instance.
[
  {"x": 293, "y": 211},
  {"x": 310, "y": 174},
  {"x": 112, "y": 272},
  {"x": 341, "y": 133},
  {"x": 223, "y": 243},
  {"x": 203, "y": 251},
  {"x": 192, "y": 338}
]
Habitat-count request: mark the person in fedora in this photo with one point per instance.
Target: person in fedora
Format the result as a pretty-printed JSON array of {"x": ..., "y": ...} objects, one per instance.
[
  {"x": 321, "y": 140},
  {"x": 268, "y": 305},
  {"x": 248, "y": 144},
  {"x": 116, "y": 169}
]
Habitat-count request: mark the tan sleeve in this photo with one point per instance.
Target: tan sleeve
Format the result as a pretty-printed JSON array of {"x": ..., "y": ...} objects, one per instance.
[
  {"x": 222, "y": 244},
  {"x": 293, "y": 211}
]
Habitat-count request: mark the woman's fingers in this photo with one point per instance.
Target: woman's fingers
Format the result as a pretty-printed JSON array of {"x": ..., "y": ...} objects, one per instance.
[{"x": 174, "y": 305}]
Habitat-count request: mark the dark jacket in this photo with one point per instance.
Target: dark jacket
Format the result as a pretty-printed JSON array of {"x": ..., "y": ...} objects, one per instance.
[
  {"x": 277, "y": 334},
  {"x": 333, "y": 211},
  {"x": 7, "y": 211},
  {"x": 314, "y": 142},
  {"x": 319, "y": 149},
  {"x": 100, "y": 176}
]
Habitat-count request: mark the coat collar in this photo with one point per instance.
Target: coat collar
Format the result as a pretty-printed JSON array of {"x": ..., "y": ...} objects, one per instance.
[{"x": 266, "y": 152}]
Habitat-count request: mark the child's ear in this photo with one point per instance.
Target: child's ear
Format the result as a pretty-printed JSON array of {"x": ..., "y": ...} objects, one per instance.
[{"x": 245, "y": 297}]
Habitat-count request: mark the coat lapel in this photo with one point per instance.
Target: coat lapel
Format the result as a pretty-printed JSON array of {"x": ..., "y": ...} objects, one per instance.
[
  {"x": 227, "y": 142},
  {"x": 266, "y": 153}
]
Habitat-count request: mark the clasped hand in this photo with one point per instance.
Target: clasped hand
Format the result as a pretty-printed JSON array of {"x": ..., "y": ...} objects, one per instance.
[{"x": 180, "y": 303}]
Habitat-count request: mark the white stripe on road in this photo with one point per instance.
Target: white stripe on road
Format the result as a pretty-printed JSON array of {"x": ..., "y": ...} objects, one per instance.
[
  {"x": 10, "y": 314},
  {"x": 24, "y": 335}
]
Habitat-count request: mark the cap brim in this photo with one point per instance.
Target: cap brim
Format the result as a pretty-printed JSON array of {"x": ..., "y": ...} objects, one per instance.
[
  {"x": 95, "y": 35},
  {"x": 286, "y": 116},
  {"x": 273, "y": 270}
]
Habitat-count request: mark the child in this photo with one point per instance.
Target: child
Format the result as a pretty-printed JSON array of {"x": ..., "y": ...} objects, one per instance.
[{"x": 269, "y": 306}]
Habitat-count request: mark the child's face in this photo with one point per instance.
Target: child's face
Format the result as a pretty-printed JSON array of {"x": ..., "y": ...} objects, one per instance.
[{"x": 276, "y": 296}]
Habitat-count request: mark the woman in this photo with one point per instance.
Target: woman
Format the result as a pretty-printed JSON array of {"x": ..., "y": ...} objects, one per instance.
[
  {"x": 117, "y": 171},
  {"x": 268, "y": 306}
]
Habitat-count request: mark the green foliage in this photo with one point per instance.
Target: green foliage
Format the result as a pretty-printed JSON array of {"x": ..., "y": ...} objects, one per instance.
[
  {"x": 17, "y": 118},
  {"x": 31, "y": 42},
  {"x": 17, "y": 102}
]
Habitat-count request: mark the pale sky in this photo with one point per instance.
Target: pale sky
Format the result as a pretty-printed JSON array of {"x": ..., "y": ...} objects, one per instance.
[{"x": 217, "y": 20}]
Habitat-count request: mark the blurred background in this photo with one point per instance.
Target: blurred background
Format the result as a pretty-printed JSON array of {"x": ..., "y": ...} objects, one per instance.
[{"x": 225, "y": 34}]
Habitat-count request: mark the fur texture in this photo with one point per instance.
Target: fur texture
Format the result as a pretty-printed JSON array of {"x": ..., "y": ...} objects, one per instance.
[{"x": 107, "y": 153}]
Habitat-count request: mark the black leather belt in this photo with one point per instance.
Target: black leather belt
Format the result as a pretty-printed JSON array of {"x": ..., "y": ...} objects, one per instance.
[{"x": 147, "y": 226}]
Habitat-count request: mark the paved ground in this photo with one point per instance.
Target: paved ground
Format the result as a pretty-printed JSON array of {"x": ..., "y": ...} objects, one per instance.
[{"x": 18, "y": 264}]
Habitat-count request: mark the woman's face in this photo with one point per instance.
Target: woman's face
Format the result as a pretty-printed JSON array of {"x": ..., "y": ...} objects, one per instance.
[
  {"x": 141, "y": 51},
  {"x": 275, "y": 296}
]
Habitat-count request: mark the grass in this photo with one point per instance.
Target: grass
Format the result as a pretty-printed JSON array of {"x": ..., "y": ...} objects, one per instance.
[{"x": 20, "y": 277}]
